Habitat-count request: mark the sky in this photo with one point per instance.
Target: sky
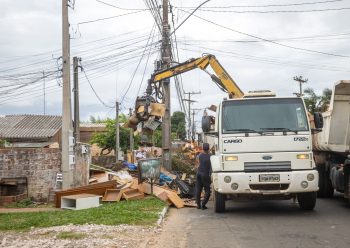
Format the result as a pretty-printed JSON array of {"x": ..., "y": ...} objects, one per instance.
[{"x": 262, "y": 44}]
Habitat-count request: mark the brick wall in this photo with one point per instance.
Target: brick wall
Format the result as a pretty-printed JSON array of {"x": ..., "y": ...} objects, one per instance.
[{"x": 39, "y": 165}]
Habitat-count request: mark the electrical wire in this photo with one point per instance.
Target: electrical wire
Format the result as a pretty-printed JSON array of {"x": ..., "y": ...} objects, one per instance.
[
  {"x": 108, "y": 18},
  {"x": 138, "y": 64},
  {"x": 97, "y": 96},
  {"x": 269, "y": 41},
  {"x": 275, "y": 11},
  {"x": 266, "y": 5},
  {"x": 114, "y": 6},
  {"x": 144, "y": 71}
]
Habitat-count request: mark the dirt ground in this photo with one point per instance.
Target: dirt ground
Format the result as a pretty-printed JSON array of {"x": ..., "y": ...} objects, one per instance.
[{"x": 122, "y": 236}]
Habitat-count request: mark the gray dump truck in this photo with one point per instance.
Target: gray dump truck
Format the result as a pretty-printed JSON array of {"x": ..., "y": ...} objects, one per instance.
[{"x": 331, "y": 145}]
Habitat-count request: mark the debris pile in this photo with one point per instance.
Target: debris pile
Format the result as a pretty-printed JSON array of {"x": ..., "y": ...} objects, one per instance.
[{"x": 127, "y": 184}]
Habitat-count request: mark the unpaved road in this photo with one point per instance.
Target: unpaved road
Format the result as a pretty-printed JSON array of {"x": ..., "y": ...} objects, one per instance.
[{"x": 259, "y": 224}]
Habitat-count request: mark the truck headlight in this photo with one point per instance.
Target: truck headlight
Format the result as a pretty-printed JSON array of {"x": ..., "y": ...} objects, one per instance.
[
  {"x": 304, "y": 184},
  {"x": 303, "y": 156},
  {"x": 310, "y": 177},
  {"x": 234, "y": 186},
  {"x": 227, "y": 179},
  {"x": 231, "y": 158}
]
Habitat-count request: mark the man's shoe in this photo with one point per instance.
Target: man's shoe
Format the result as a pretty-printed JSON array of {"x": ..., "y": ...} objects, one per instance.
[{"x": 204, "y": 207}]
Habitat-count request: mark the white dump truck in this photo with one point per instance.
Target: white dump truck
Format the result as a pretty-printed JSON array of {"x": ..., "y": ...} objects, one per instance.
[
  {"x": 332, "y": 145},
  {"x": 263, "y": 149}
]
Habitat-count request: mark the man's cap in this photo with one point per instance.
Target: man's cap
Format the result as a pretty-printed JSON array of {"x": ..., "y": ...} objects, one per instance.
[{"x": 205, "y": 146}]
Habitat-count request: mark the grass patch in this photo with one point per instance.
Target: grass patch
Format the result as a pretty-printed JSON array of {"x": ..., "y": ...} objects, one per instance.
[
  {"x": 71, "y": 235},
  {"x": 140, "y": 212}
]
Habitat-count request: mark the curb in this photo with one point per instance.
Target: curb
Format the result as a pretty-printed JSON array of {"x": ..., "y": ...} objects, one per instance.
[{"x": 162, "y": 215}]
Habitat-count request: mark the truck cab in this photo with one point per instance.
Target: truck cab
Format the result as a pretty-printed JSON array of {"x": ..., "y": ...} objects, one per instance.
[{"x": 263, "y": 149}]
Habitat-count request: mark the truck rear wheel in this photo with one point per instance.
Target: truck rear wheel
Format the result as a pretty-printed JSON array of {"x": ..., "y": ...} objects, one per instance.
[
  {"x": 219, "y": 202},
  {"x": 321, "y": 179},
  {"x": 307, "y": 201}
]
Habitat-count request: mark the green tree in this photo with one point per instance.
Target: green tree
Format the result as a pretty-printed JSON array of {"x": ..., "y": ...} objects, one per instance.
[
  {"x": 178, "y": 124},
  {"x": 317, "y": 103},
  {"x": 107, "y": 140}
]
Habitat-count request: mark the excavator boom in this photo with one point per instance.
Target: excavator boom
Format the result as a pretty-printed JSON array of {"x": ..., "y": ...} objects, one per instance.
[{"x": 222, "y": 78}]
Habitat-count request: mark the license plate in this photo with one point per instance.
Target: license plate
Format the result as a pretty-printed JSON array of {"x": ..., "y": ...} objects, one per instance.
[{"x": 269, "y": 178}]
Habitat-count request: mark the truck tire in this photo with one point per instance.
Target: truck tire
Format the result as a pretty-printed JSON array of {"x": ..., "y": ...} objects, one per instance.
[
  {"x": 321, "y": 179},
  {"x": 307, "y": 201},
  {"x": 219, "y": 202},
  {"x": 328, "y": 187}
]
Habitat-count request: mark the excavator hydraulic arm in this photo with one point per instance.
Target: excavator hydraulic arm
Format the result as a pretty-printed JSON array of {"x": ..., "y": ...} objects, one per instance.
[{"x": 222, "y": 78}]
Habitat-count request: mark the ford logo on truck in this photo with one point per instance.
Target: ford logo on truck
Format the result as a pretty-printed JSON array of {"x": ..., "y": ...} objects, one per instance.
[{"x": 233, "y": 141}]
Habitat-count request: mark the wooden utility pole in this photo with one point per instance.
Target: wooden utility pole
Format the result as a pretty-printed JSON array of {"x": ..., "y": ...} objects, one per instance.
[
  {"x": 166, "y": 59},
  {"x": 117, "y": 131},
  {"x": 189, "y": 100},
  {"x": 131, "y": 134},
  {"x": 76, "y": 60},
  {"x": 301, "y": 82},
  {"x": 67, "y": 129}
]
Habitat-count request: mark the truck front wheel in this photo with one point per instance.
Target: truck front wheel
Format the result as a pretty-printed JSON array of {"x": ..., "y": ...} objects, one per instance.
[
  {"x": 219, "y": 202},
  {"x": 307, "y": 201}
]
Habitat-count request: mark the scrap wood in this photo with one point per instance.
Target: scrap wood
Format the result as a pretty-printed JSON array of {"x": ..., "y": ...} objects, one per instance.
[
  {"x": 176, "y": 200},
  {"x": 146, "y": 188},
  {"x": 189, "y": 203},
  {"x": 96, "y": 189},
  {"x": 132, "y": 194},
  {"x": 183, "y": 176},
  {"x": 112, "y": 195},
  {"x": 164, "y": 197}
]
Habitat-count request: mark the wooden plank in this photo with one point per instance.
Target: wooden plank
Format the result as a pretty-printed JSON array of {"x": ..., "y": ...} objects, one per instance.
[
  {"x": 176, "y": 200},
  {"x": 146, "y": 188},
  {"x": 112, "y": 195},
  {"x": 133, "y": 194},
  {"x": 96, "y": 189}
]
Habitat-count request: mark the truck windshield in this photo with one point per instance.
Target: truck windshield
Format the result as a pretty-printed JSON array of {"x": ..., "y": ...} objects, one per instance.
[{"x": 262, "y": 115}]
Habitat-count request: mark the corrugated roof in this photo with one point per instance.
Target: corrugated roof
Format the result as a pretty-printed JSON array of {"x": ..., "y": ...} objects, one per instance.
[
  {"x": 29, "y": 126},
  {"x": 85, "y": 124}
]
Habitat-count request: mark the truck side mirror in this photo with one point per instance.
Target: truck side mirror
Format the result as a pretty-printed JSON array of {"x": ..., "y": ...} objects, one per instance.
[
  {"x": 206, "y": 123},
  {"x": 318, "y": 118}
]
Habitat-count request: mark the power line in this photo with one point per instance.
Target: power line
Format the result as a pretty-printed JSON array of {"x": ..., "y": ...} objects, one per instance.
[
  {"x": 108, "y": 18},
  {"x": 97, "y": 96},
  {"x": 266, "y": 5},
  {"x": 114, "y": 6},
  {"x": 144, "y": 71},
  {"x": 267, "y": 60},
  {"x": 134, "y": 73},
  {"x": 275, "y": 11},
  {"x": 269, "y": 41}
]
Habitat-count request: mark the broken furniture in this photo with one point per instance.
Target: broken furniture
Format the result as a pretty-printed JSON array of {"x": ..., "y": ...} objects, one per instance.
[
  {"x": 96, "y": 189},
  {"x": 80, "y": 201}
]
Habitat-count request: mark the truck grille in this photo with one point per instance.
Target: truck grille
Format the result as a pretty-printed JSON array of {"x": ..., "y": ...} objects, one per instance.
[
  {"x": 269, "y": 186},
  {"x": 267, "y": 166}
]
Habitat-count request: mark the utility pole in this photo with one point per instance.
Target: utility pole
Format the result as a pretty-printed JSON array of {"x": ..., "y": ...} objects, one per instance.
[
  {"x": 131, "y": 134},
  {"x": 44, "y": 88},
  {"x": 117, "y": 131},
  {"x": 301, "y": 82},
  {"x": 193, "y": 123},
  {"x": 166, "y": 57},
  {"x": 189, "y": 100},
  {"x": 76, "y": 132},
  {"x": 67, "y": 127}
]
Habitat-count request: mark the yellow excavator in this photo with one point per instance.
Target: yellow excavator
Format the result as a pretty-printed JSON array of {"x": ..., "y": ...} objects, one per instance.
[{"x": 145, "y": 105}]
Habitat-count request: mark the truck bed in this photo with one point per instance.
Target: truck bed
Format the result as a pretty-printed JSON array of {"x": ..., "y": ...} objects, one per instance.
[{"x": 335, "y": 135}]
